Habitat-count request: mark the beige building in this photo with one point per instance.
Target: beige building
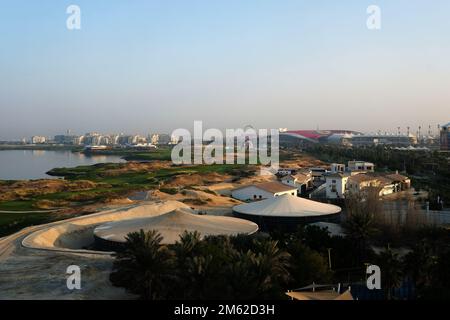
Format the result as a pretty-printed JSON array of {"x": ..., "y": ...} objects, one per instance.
[
  {"x": 261, "y": 191},
  {"x": 302, "y": 181}
]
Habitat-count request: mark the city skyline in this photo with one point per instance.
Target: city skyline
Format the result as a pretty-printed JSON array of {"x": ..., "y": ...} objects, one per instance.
[{"x": 270, "y": 64}]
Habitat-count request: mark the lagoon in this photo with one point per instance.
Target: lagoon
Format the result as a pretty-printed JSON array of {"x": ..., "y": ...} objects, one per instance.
[{"x": 33, "y": 164}]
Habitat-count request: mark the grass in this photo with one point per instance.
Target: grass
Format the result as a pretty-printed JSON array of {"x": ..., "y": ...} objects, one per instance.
[
  {"x": 20, "y": 205},
  {"x": 108, "y": 187},
  {"x": 13, "y": 222},
  {"x": 162, "y": 154}
]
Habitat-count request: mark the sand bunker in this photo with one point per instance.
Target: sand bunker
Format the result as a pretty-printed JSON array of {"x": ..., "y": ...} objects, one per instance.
[{"x": 76, "y": 235}]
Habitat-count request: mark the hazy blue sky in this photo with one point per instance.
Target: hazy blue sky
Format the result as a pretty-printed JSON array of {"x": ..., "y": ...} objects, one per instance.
[{"x": 143, "y": 66}]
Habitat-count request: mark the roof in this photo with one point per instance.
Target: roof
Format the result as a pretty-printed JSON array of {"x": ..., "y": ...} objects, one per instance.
[
  {"x": 446, "y": 125},
  {"x": 385, "y": 180},
  {"x": 382, "y": 179},
  {"x": 358, "y": 178},
  {"x": 320, "y": 295},
  {"x": 397, "y": 177},
  {"x": 302, "y": 177},
  {"x": 287, "y": 206},
  {"x": 172, "y": 224},
  {"x": 272, "y": 187},
  {"x": 337, "y": 175},
  {"x": 315, "y": 135}
]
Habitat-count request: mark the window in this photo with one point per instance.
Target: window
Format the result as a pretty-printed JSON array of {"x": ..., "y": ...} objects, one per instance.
[
  {"x": 260, "y": 196},
  {"x": 254, "y": 196}
]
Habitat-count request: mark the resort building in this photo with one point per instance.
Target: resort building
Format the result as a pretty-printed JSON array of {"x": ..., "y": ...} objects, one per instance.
[
  {"x": 338, "y": 184},
  {"x": 262, "y": 191},
  {"x": 318, "y": 175},
  {"x": 286, "y": 211},
  {"x": 302, "y": 181},
  {"x": 360, "y": 166},
  {"x": 286, "y": 171}
]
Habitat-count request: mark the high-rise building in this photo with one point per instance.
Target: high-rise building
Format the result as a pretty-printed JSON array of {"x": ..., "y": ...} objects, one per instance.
[
  {"x": 445, "y": 137},
  {"x": 154, "y": 138},
  {"x": 38, "y": 139}
]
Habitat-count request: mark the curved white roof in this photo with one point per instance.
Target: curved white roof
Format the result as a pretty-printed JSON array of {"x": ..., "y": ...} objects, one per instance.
[
  {"x": 172, "y": 224},
  {"x": 287, "y": 206}
]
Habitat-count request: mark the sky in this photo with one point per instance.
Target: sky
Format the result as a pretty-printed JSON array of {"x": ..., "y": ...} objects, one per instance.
[{"x": 153, "y": 66}]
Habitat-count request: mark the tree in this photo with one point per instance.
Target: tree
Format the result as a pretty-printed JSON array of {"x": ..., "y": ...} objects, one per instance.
[
  {"x": 420, "y": 265},
  {"x": 362, "y": 210},
  {"x": 145, "y": 267},
  {"x": 307, "y": 266},
  {"x": 391, "y": 271}
]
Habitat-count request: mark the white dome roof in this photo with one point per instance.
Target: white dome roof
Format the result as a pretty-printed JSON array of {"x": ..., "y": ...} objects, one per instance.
[
  {"x": 172, "y": 224},
  {"x": 287, "y": 206}
]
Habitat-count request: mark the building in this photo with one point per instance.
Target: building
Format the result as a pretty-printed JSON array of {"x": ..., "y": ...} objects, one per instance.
[
  {"x": 445, "y": 137},
  {"x": 67, "y": 139},
  {"x": 286, "y": 211},
  {"x": 38, "y": 139},
  {"x": 360, "y": 166},
  {"x": 336, "y": 184},
  {"x": 386, "y": 139},
  {"x": 339, "y": 184},
  {"x": 316, "y": 136},
  {"x": 302, "y": 181},
  {"x": 261, "y": 191},
  {"x": 318, "y": 175},
  {"x": 337, "y": 167},
  {"x": 285, "y": 171},
  {"x": 359, "y": 182},
  {"x": 154, "y": 138}
]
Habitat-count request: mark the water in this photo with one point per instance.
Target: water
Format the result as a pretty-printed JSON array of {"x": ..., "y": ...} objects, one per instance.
[{"x": 33, "y": 164}]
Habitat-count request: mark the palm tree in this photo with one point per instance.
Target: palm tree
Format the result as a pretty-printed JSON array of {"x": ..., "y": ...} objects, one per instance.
[
  {"x": 391, "y": 271},
  {"x": 362, "y": 210},
  {"x": 421, "y": 265},
  {"x": 191, "y": 265},
  {"x": 145, "y": 266},
  {"x": 274, "y": 262}
]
